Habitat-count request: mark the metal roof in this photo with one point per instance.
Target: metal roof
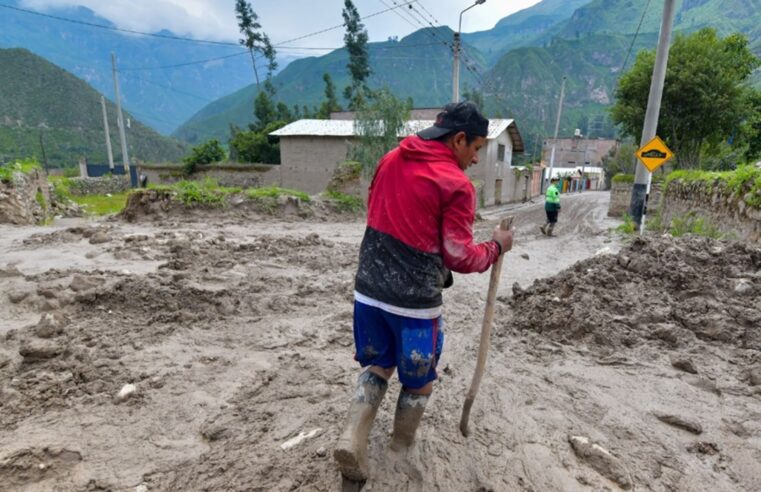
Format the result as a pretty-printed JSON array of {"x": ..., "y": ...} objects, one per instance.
[{"x": 345, "y": 128}]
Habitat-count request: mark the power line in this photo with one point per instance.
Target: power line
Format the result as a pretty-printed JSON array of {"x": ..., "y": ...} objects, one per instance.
[
  {"x": 112, "y": 28},
  {"x": 635, "y": 37},
  {"x": 197, "y": 62}
]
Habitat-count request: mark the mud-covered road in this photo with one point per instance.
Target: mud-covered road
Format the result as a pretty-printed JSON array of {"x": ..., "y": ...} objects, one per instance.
[{"x": 235, "y": 336}]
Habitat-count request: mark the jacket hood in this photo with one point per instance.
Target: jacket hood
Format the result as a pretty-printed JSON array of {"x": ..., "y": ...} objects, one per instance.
[{"x": 414, "y": 148}]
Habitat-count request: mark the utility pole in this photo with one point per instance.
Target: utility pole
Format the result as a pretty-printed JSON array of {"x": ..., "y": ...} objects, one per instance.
[
  {"x": 456, "y": 69},
  {"x": 44, "y": 156},
  {"x": 119, "y": 117},
  {"x": 557, "y": 128},
  {"x": 642, "y": 177},
  {"x": 456, "y": 65},
  {"x": 108, "y": 135}
]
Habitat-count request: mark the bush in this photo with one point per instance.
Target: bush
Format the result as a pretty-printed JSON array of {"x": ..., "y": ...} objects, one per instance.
[
  {"x": 23, "y": 166},
  {"x": 623, "y": 178},
  {"x": 344, "y": 202},
  {"x": 206, "y": 153},
  {"x": 206, "y": 192},
  {"x": 691, "y": 223},
  {"x": 628, "y": 227}
]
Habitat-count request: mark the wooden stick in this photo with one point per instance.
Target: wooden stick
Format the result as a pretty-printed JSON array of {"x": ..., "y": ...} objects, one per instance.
[{"x": 483, "y": 349}]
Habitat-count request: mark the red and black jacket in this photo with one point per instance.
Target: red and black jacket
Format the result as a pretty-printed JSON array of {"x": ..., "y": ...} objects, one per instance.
[{"x": 419, "y": 226}]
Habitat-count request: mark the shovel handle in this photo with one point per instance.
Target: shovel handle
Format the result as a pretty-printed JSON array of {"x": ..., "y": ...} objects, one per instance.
[{"x": 483, "y": 349}]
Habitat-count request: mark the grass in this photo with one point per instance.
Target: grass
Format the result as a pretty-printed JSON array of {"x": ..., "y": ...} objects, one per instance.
[
  {"x": 273, "y": 192},
  {"x": 101, "y": 204},
  {"x": 628, "y": 227},
  {"x": 691, "y": 223},
  {"x": 344, "y": 202},
  {"x": 24, "y": 166}
]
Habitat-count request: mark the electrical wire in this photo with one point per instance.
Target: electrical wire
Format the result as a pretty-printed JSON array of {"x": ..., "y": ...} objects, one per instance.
[{"x": 635, "y": 37}]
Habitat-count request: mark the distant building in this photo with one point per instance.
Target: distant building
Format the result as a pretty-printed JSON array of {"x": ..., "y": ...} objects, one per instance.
[
  {"x": 415, "y": 114},
  {"x": 577, "y": 155},
  {"x": 310, "y": 150}
]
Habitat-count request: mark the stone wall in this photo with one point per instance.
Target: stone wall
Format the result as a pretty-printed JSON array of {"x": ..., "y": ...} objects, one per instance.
[
  {"x": 26, "y": 199},
  {"x": 621, "y": 197},
  {"x": 715, "y": 204},
  {"x": 226, "y": 174},
  {"x": 99, "y": 186}
]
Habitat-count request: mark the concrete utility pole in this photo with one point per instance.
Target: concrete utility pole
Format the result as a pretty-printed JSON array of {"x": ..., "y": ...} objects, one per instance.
[
  {"x": 456, "y": 48},
  {"x": 108, "y": 135},
  {"x": 643, "y": 177},
  {"x": 119, "y": 117},
  {"x": 557, "y": 129}
]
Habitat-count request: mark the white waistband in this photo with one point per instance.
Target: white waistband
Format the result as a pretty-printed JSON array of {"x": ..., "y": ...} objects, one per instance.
[{"x": 426, "y": 313}]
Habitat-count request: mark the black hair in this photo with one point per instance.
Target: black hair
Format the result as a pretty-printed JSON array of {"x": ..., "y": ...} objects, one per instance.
[{"x": 447, "y": 136}]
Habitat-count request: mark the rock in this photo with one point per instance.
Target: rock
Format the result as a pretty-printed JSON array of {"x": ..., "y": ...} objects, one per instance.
[
  {"x": 321, "y": 452},
  {"x": 685, "y": 423},
  {"x": 18, "y": 296},
  {"x": 99, "y": 237},
  {"x": 703, "y": 447},
  {"x": 303, "y": 436},
  {"x": 128, "y": 391},
  {"x": 683, "y": 364},
  {"x": 141, "y": 488},
  {"x": 602, "y": 461},
  {"x": 743, "y": 286},
  {"x": 50, "y": 325},
  {"x": 37, "y": 350},
  {"x": 48, "y": 292},
  {"x": 604, "y": 251},
  {"x": 10, "y": 271},
  {"x": 48, "y": 305},
  {"x": 525, "y": 256},
  {"x": 4, "y": 360},
  {"x": 754, "y": 376},
  {"x": 81, "y": 283}
]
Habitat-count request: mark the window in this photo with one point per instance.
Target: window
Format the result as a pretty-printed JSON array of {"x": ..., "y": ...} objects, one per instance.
[{"x": 501, "y": 153}]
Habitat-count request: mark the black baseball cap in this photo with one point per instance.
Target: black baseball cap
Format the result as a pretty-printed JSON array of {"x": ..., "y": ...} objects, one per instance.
[{"x": 457, "y": 117}]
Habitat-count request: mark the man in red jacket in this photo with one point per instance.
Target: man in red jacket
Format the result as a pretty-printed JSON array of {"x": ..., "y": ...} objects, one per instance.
[{"x": 419, "y": 229}]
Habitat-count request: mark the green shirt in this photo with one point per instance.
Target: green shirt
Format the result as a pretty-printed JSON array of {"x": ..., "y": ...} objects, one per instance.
[{"x": 552, "y": 198}]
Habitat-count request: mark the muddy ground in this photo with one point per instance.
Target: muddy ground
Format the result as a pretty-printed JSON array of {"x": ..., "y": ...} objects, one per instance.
[{"x": 234, "y": 331}]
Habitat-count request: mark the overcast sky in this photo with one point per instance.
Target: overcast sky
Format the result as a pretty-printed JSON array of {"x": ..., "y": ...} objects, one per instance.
[{"x": 286, "y": 19}]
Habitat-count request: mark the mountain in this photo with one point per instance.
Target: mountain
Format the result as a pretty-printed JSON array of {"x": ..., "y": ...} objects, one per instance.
[
  {"x": 42, "y": 102},
  {"x": 521, "y": 62},
  {"x": 523, "y": 28},
  {"x": 163, "y": 98},
  {"x": 419, "y": 66}
]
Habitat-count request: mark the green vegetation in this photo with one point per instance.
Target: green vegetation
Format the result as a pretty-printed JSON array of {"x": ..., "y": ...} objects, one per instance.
[
  {"x": 705, "y": 99},
  {"x": 744, "y": 182},
  {"x": 628, "y": 227},
  {"x": 102, "y": 204},
  {"x": 623, "y": 178},
  {"x": 378, "y": 125},
  {"x": 691, "y": 223},
  {"x": 22, "y": 166},
  {"x": 40, "y": 199},
  {"x": 344, "y": 202},
  {"x": 43, "y": 105},
  {"x": 273, "y": 192},
  {"x": 206, "y": 153}
]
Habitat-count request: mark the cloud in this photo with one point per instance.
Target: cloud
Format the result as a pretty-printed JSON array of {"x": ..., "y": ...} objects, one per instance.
[{"x": 286, "y": 19}]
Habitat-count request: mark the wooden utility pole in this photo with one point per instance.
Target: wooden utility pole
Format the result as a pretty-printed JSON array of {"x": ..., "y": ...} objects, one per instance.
[
  {"x": 108, "y": 135},
  {"x": 119, "y": 117},
  {"x": 557, "y": 129}
]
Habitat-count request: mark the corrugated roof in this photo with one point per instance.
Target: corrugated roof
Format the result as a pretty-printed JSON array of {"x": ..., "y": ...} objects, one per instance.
[{"x": 345, "y": 128}]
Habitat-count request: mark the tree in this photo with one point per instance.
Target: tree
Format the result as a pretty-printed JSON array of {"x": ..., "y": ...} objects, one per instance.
[
  {"x": 377, "y": 126},
  {"x": 248, "y": 24},
  {"x": 355, "y": 41},
  {"x": 257, "y": 146},
  {"x": 205, "y": 153},
  {"x": 704, "y": 99},
  {"x": 330, "y": 103}
]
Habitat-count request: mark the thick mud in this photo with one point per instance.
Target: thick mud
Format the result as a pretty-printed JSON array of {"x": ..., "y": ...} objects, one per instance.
[{"x": 215, "y": 352}]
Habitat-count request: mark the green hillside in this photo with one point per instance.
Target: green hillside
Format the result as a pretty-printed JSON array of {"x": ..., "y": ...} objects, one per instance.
[
  {"x": 522, "y": 61},
  {"x": 523, "y": 28},
  {"x": 418, "y": 66},
  {"x": 38, "y": 98}
]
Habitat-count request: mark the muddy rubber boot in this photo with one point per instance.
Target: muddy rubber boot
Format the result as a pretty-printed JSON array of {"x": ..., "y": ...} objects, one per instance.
[
  {"x": 409, "y": 411},
  {"x": 543, "y": 228},
  {"x": 549, "y": 229},
  {"x": 351, "y": 451}
]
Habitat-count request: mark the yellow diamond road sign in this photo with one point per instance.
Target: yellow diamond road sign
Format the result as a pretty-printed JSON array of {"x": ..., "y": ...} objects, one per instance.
[{"x": 654, "y": 154}]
